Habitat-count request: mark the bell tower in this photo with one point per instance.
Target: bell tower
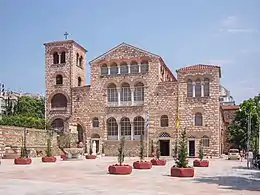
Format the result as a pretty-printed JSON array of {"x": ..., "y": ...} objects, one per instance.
[{"x": 65, "y": 65}]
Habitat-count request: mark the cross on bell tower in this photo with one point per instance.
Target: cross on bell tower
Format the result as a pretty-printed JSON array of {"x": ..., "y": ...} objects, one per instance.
[{"x": 66, "y": 35}]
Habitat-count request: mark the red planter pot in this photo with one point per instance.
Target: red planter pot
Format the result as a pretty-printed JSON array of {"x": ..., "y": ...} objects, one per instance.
[
  {"x": 182, "y": 172},
  {"x": 22, "y": 161},
  {"x": 120, "y": 170},
  {"x": 91, "y": 156},
  {"x": 200, "y": 163},
  {"x": 49, "y": 159},
  {"x": 142, "y": 165},
  {"x": 158, "y": 162}
]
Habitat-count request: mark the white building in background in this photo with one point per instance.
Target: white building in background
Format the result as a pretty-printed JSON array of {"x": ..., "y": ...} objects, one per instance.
[{"x": 225, "y": 97}]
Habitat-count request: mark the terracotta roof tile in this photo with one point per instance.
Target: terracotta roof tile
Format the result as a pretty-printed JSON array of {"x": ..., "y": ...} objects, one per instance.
[
  {"x": 198, "y": 67},
  {"x": 230, "y": 107}
]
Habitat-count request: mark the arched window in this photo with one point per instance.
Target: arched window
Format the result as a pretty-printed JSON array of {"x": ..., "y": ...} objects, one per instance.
[
  {"x": 55, "y": 58},
  {"x": 206, "y": 87},
  {"x": 125, "y": 128},
  {"x": 95, "y": 122},
  {"x": 198, "y": 88},
  {"x": 164, "y": 121},
  {"x": 113, "y": 69},
  {"x": 123, "y": 68},
  {"x": 189, "y": 88},
  {"x": 77, "y": 60},
  {"x": 144, "y": 67},
  {"x": 58, "y": 125},
  {"x": 139, "y": 92},
  {"x": 112, "y": 95},
  {"x": 138, "y": 127},
  {"x": 112, "y": 129},
  {"x": 59, "y": 79},
  {"x": 81, "y": 61},
  {"x": 59, "y": 101},
  {"x": 79, "y": 81},
  {"x": 134, "y": 67},
  {"x": 63, "y": 57},
  {"x": 104, "y": 69},
  {"x": 80, "y": 133},
  {"x": 198, "y": 119},
  {"x": 125, "y": 93},
  {"x": 205, "y": 141}
]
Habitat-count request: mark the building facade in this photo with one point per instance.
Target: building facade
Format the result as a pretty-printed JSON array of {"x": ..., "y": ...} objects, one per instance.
[{"x": 132, "y": 92}]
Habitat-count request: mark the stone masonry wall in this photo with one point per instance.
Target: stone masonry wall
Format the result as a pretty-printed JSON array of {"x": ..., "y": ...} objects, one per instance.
[{"x": 36, "y": 139}]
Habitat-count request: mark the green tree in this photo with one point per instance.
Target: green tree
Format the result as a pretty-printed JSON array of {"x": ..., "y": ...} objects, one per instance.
[
  {"x": 238, "y": 129},
  {"x": 121, "y": 154},
  {"x": 141, "y": 155},
  {"x": 182, "y": 161},
  {"x": 201, "y": 153}
]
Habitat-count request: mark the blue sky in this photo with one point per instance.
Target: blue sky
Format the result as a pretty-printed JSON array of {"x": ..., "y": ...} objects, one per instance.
[{"x": 184, "y": 32}]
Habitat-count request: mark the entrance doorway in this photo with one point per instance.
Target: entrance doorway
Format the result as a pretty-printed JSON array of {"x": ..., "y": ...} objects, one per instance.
[
  {"x": 165, "y": 147},
  {"x": 191, "y": 148}
]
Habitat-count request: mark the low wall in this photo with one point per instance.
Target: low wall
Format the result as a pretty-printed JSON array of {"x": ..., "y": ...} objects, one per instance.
[{"x": 36, "y": 139}]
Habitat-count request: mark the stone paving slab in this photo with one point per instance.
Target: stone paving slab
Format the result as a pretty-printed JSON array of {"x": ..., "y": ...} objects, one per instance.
[{"x": 90, "y": 177}]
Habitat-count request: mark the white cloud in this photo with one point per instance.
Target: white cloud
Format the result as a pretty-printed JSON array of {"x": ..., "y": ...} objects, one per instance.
[{"x": 230, "y": 21}]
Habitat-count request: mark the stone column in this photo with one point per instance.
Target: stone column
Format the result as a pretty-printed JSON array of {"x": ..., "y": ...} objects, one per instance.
[
  {"x": 119, "y": 71},
  {"x": 108, "y": 70},
  {"x": 193, "y": 89},
  {"x": 202, "y": 89},
  {"x": 59, "y": 58},
  {"x": 119, "y": 131},
  {"x": 132, "y": 130},
  {"x": 139, "y": 68},
  {"x": 132, "y": 96},
  {"x": 129, "y": 70},
  {"x": 119, "y": 96}
]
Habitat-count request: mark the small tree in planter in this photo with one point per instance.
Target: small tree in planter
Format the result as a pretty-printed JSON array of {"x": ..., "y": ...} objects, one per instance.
[
  {"x": 142, "y": 164},
  {"x": 201, "y": 162},
  {"x": 90, "y": 155},
  {"x": 157, "y": 160},
  {"x": 181, "y": 168},
  {"x": 152, "y": 149},
  {"x": 120, "y": 169},
  {"x": 24, "y": 158},
  {"x": 175, "y": 149},
  {"x": 49, "y": 157}
]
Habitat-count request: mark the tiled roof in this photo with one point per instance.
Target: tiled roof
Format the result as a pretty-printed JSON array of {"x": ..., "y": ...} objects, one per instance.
[
  {"x": 229, "y": 107},
  {"x": 198, "y": 67}
]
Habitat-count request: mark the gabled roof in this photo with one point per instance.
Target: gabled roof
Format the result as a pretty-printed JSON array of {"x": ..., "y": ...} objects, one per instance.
[
  {"x": 65, "y": 42},
  {"x": 122, "y": 45},
  {"x": 198, "y": 67}
]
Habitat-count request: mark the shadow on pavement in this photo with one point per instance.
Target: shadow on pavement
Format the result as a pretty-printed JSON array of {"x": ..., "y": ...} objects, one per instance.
[{"x": 232, "y": 182}]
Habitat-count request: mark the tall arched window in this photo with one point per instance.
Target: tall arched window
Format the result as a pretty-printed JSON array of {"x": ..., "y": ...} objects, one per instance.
[
  {"x": 58, "y": 125},
  {"x": 144, "y": 67},
  {"x": 125, "y": 128},
  {"x": 198, "y": 88},
  {"x": 63, "y": 57},
  {"x": 198, "y": 119},
  {"x": 59, "y": 79},
  {"x": 113, "y": 69},
  {"x": 77, "y": 60},
  {"x": 206, "y": 87},
  {"x": 123, "y": 68},
  {"x": 125, "y": 93},
  {"x": 134, "y": 67},
  {"x": 189, "y": 88},
  {"x": 79, "y": 81},
  {"x": 112, "y": 95},
  {"x": 80, "y": 133},
  {"x": 112, "y": 129},
  {"x": 104, "y": 69},
  {"x": 55, "y": 58},
  {"x": 164, "y": 121},
  {"x": 139, "y": 92},
  {"x": 95, "y": 122},
  {"x": 205, "y": 141},
  {"x": 81, "y": 61},
  {"x": 59, "y": 101},
  {"x": 138, "y": 127}
]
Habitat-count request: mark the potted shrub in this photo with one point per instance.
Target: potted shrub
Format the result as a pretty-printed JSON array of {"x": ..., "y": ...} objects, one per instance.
[
  {"x": 23, "y": 159},
  {"x": 120, "y": 169},
  {"x": 90, "y": 155},
  {"x": 49, "y": 157},
  {"x": 152, "y": 150},
  {"x": 157, "y": 161},
  {"x": 142, "y": 164},
  {"x": 181, "y": 169},
  {"x": 201, "y": 162}
]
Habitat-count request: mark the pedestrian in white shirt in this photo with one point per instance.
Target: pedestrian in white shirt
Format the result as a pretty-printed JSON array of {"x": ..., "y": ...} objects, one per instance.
[{"x": 250, "y": 157}]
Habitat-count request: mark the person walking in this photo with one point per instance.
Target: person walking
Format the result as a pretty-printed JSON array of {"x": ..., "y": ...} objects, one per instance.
[
  {"x": 250, "y": 157},
  {"x": 241, "y": 155}
]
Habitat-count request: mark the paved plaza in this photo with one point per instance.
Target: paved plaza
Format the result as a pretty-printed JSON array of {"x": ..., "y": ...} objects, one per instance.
[{"x": 90, "y": 177}]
